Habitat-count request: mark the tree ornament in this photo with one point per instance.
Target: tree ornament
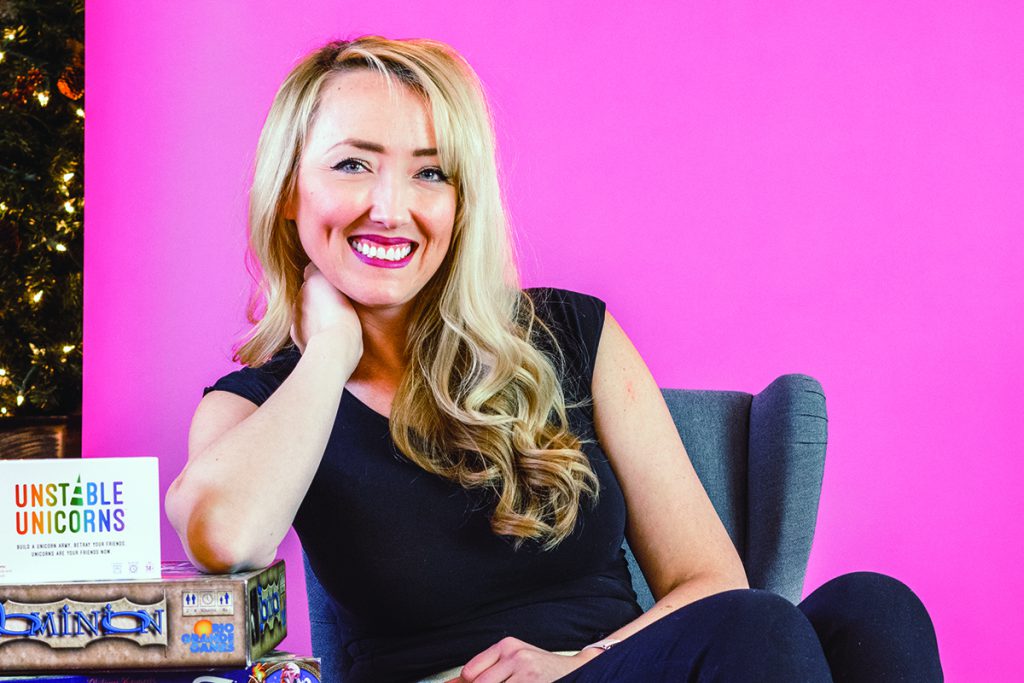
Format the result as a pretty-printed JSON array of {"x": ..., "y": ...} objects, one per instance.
[
  {"x": 72, "y": 80},
  {"x": 72, "y": 83},
  {"x": 25, "y": 87}
]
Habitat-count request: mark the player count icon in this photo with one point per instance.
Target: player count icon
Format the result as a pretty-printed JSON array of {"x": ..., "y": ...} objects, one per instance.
[{"x": 117, "y": 568}]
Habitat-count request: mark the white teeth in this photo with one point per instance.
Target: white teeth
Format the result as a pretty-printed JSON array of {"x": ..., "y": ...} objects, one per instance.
[{"x": 389, "y": 254}]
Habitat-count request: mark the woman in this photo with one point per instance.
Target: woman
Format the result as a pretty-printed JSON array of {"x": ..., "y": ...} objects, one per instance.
[{"x": 475, "y": 447}]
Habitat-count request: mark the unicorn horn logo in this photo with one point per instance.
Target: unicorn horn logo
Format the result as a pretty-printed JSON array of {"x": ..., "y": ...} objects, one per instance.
[{"x": 76, "y": 494}]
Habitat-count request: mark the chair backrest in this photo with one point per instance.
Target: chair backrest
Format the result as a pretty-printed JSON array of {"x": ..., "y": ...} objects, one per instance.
[{"x": 760, "y": 458}]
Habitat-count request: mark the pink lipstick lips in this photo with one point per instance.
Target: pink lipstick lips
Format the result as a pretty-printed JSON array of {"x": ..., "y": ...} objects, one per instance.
[{"x": 383, "y": 252}]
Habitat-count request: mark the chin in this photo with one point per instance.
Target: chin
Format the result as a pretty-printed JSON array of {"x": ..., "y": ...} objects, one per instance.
[{"x": 377, "y": 298}]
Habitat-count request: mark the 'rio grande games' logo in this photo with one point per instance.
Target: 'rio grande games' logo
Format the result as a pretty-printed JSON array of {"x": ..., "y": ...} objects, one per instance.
[
  {"x": 72, "y": 623},
  {"x": 207, "y": 636}
]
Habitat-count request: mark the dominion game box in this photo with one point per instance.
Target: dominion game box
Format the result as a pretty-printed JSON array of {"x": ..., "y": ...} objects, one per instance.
[{"x": 185, "y": 619}]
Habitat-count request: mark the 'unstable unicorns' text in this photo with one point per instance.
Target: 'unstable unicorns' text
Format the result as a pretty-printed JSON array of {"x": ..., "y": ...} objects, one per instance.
[{"x": 69, "y": 507}]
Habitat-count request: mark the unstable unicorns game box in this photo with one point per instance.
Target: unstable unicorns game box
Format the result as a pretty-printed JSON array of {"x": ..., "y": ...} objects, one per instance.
[
  {"x": 185, "y": 619},
  {"x": 79, "y": 519}
]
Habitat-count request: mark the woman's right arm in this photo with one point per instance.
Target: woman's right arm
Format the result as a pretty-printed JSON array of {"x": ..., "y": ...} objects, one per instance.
[{"x": 249, "y": 467}]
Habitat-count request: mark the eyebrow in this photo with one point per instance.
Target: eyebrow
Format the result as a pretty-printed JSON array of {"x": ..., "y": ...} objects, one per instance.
[{"x": 379, "y": 149}]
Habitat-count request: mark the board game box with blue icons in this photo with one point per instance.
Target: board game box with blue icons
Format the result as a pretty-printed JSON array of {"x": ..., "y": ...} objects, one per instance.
[{"x": 186, "y": 619}]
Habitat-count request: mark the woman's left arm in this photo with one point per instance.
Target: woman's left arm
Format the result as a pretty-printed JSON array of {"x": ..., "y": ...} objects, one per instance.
[
  {"x": 678, "y": 540},
  {"x": 674, "y": 532}
]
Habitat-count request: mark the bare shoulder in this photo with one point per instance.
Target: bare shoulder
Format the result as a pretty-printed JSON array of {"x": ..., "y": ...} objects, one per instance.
[
  {"x": 629, "y": 411},
  {"x": 617, "y": 359}
]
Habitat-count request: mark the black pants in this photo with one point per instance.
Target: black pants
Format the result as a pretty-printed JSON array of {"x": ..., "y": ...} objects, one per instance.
[{"x": 857, "y": 627}]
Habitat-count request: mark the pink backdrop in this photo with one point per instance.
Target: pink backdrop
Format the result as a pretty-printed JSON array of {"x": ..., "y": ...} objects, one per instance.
[{"x": 754, "y": 189}]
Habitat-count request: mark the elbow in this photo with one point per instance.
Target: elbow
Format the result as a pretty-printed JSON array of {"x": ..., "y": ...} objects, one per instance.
[
  {"x": 213, "y": 537},
  {"x": 216, "y": 547},
  {"x": 740, "y": 579},
  {"x": 733, "y": 573},
  {"x": 724, "y": 576},
  {"x": 728, "y": 570}
]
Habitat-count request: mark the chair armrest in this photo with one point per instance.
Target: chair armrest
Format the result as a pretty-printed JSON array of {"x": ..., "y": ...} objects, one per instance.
[{"x": 788, "y": 435}]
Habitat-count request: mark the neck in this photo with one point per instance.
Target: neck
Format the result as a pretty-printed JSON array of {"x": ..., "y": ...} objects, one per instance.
[{"x": 384, "y": 334}]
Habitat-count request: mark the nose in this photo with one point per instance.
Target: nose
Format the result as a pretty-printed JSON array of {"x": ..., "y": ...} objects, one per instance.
[{"x": 390, "y": 201}]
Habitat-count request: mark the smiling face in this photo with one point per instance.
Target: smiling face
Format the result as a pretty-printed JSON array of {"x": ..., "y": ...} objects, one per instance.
[{"x": 373, "y": 209}]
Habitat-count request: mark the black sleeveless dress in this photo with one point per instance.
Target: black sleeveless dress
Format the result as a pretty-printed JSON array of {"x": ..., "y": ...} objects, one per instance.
[{"x": 420, "y": 582}]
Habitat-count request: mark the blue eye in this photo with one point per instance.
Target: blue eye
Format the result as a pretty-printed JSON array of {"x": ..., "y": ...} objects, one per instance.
[
  {"x": 350, "y": 166},
  {"x": 433, "y": 174}
]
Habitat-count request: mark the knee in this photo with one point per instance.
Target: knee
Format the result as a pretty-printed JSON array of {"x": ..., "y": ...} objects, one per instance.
[
  {"x": 867, "y": 583},
  {"x": 734, "y": 616},
  {"x": 754, "y": 610},
  {"x": 871, "y": 600},
  {"x": 874, "y": 624},
  {"x": 756, "y": 634}
]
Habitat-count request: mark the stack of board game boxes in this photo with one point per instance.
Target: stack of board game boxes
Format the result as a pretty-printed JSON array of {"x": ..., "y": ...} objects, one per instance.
[
  {"x": 85, "y": 598},
  {"x": 186, "y": 626}
]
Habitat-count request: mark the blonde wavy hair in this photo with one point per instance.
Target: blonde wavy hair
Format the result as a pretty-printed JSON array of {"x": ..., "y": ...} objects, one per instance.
[{"x": 479, "y": 403}]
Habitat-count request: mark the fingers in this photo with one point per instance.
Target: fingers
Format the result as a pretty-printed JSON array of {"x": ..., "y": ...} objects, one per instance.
[
  {"x": 306, "y": 273},
  {"x": 482, "y": 662},
  {"x": 511, "y": 660},
  {"x": 497, "y": 663},
  {"x": 499, "y": 673},
  {"x": 295, "y": 339}
]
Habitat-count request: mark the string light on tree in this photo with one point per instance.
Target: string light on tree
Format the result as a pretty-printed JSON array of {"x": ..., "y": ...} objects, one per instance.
[
  {"x": 60, "y": 247},
  {"x": 43, "y": 97},
  {"x": 69, "y": 207},
  {"x": 37, "y": 297}
]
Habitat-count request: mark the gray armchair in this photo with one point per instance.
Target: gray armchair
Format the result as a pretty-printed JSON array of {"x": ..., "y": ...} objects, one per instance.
[{"x": 760, "y": 458}]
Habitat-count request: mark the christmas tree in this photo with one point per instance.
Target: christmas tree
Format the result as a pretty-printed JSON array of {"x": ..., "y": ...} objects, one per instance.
[{"x": 42, "y": 120}]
